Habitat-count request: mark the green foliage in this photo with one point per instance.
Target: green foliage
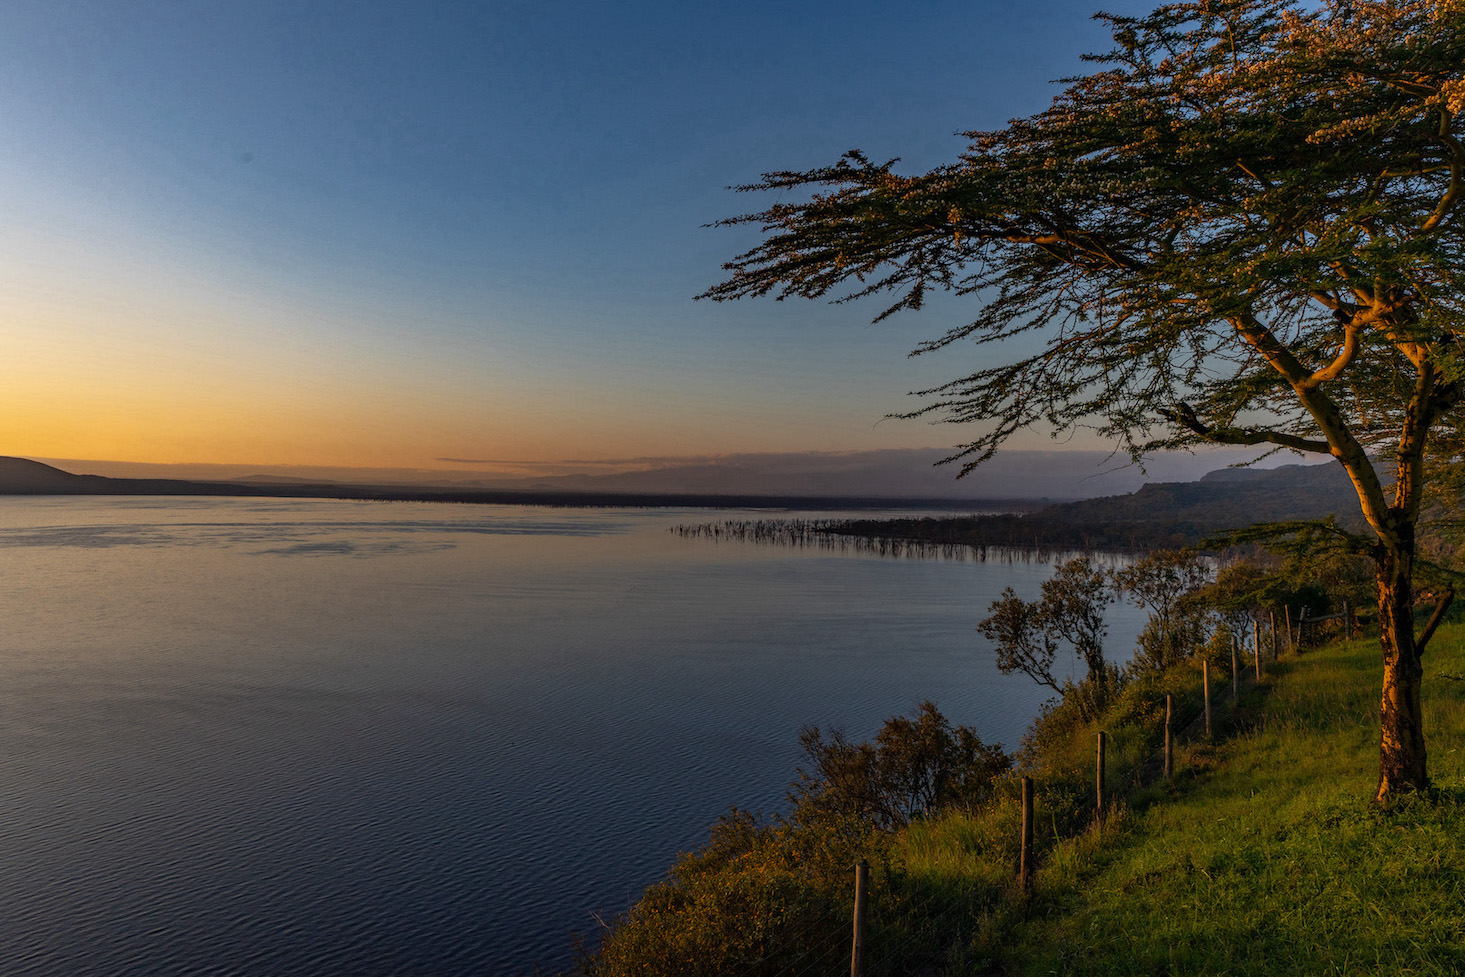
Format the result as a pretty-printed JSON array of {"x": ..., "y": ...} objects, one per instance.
[
  {"x": 1316, "y": 565},
  {"x": 773, "y": 897},
  {"x": 1063, "y": 721},
  {"x": 916, "y": 766},
  {"x": 1073, "y": 603},
  {"x": 1027, "y": 634},
  {"x": 1240, "y": 590},
  {"x": 1243, "y": 227},
  {"x": 1022, "y": 643},
  {"x": 1162, "y": 644},
  {"x": 1166, "y": 582},
  {"x": 749, "y": 903}
]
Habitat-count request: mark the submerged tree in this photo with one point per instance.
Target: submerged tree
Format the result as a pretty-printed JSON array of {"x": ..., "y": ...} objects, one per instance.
[{"x": 1243, "y": 227}]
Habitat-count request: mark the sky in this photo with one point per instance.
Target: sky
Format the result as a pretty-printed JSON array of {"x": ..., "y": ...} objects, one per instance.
[{"x": 460, "y": 235}]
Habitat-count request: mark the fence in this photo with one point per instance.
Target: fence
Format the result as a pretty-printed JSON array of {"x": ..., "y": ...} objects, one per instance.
[
  {"x": 877, "y": 919},
  {"x": 1176, "y": 727}
]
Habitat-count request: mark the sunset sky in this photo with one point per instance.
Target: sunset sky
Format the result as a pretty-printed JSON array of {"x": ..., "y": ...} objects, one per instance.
[{"x": 454, "y": 234}]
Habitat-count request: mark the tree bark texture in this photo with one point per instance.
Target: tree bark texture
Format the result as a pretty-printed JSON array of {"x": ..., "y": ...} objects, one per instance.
[{"x": 1402, "y": 753}]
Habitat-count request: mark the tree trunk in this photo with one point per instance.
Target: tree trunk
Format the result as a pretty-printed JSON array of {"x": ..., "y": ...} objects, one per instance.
[{"x": 1401, "y": 755}]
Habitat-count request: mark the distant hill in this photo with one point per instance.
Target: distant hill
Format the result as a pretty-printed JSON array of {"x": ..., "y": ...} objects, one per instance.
[
  {"x": 1165, "y": 514},
  {"x": 886, "y": 473},
  {"x": 20, "y": 476},
  {"x": 1158, "y": 514},
  {"x": 1227, "y": 499}
]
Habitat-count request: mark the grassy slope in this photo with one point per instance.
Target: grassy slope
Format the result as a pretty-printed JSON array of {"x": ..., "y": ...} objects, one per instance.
[{"x": 1264, "y": 857}]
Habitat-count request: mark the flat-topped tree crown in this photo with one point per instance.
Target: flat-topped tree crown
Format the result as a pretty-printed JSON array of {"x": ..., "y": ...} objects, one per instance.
[{"x": 1244, "y": 226}]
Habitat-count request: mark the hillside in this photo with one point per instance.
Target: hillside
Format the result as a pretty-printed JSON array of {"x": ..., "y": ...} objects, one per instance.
[
  {"x": 19, "y": 476},
  {"x": 1263, "y": 854},
  {"x": 1164, "y": 514},
  {"x": 1227, "y": 498}
]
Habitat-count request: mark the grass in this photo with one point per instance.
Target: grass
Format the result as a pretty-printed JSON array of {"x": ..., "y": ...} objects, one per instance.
[{"x": 1264, "y": 855}]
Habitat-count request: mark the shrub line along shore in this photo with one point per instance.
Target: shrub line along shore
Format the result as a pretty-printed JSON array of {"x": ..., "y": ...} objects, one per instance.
[{"x": 1262, "y": 852}]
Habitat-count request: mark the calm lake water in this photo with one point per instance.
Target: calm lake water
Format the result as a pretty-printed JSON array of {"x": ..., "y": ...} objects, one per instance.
[{"x": 313, "y": 737}]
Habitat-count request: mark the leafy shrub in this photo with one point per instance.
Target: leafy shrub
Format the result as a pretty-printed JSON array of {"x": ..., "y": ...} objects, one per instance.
[
  {"x": 1164, "y": 643},
  {"x": 1026, "y": 634},
  {"x": 916, "y": 766},
  {"x": 760, "y": 894},
  {"x": 1062, "y": 721},
  {"x": 1165, "y": 582},
  {"x": 750, "y": 902}
]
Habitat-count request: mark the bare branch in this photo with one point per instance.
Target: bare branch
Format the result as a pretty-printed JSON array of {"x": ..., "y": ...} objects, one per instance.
[{"x": 1184, "y": 415}]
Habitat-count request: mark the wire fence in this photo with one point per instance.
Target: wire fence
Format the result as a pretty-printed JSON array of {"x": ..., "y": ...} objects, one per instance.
[
  {"x": 912, "y": 926},
  {"x": 895, "y": 921}
]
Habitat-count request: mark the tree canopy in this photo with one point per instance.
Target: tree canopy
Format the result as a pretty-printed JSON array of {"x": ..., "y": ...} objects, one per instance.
[
  {"x": 1027, "y": 635},
  {"x": 1242, "y": 226}
]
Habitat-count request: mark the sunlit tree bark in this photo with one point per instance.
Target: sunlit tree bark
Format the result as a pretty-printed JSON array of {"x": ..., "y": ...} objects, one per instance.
[{"x": 1244, "y": 226}]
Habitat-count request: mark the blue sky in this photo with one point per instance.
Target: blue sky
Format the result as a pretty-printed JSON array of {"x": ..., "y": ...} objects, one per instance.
[{"x": 386, "y": 233}]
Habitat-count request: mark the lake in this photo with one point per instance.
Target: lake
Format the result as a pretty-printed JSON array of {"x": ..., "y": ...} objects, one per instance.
[{"x": 301, "y": 737}]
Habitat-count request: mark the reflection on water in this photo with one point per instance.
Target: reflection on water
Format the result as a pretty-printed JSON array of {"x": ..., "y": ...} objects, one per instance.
[{"x": 314, "y": 737}]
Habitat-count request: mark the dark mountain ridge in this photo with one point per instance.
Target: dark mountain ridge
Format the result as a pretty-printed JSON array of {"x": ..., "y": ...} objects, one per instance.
[
  {"x": 20, "y": 476},
  {"x": 1159, "y": 515}
]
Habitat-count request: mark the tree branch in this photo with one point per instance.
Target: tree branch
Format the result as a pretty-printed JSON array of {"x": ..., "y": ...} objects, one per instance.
[
  {"x": 1345, "y": 356},
  {"x": 1325, "y": 412},
  {"x": 1184, "y": 415},
  {"x": 1441, "y": 606},
  {"x": 1457, "y": 163}
]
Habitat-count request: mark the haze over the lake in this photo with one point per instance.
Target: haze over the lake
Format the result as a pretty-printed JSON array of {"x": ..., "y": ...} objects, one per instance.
[{"x": 465, "y": 235}]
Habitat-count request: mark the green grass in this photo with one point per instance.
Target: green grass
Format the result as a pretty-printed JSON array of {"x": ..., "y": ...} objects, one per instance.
[{"x": 1264, "y": 856}]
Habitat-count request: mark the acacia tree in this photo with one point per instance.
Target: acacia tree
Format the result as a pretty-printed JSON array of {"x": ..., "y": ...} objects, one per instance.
[
  {"x": 1160, "y": 583},
  {"x": 1243, "y": 226},
  {"x": 1015, "y": 628},
  {"x": 1074, "y": 600},
  {"x": 1026, "y": 635}
]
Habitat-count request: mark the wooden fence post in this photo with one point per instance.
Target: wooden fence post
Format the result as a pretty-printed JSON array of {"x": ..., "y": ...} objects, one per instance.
[
  {"x": 1235, "y": 671},
  {"x": 1287, "y": 608},
  {"x": 1205, "y": 674},
  {"x": 1256, "y": 639},
  {"x": 1099, "y": 782},
  {"x": 1257, "y": 648},
  {"x": 1168, "y": 763},
  {"x": 1276, "y": 642},
  {"x": 1025, "y": 863},
  {"x": 862, "y": 896}
]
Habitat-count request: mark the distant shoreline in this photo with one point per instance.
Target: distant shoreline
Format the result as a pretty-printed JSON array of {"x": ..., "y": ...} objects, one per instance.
[{"x": 64, "y": 483}]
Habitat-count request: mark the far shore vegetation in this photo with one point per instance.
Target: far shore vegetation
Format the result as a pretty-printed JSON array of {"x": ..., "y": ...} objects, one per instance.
[{"x": 1164, "y": 515}]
